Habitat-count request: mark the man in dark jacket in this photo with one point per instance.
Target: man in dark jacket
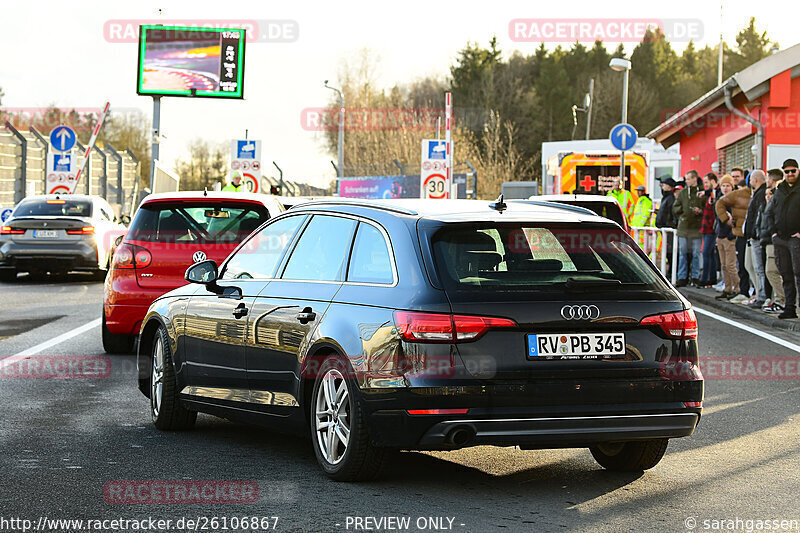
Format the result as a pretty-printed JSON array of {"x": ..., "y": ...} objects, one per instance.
[
  {"x": 758, "y": 182},
  {"x": 786, "y": 235},
  {"x": 689, "y": 210},
  {"x": 664, "y": 217}
]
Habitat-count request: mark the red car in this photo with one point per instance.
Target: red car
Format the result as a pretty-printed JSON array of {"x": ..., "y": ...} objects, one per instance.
[{"x": 169, "y": 233}]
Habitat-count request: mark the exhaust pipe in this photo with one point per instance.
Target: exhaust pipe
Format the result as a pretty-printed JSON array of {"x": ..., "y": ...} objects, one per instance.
[{"x": 460, "y": 435}]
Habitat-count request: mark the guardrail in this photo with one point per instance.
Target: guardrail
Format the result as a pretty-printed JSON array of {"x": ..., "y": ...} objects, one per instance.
[{"x": 655, "y": 243}]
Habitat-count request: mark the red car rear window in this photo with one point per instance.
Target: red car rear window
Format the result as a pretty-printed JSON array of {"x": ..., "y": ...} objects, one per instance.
[{"x": 193, "y": 223}]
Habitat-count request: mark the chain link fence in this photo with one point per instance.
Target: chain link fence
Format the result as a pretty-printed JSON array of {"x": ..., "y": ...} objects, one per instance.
[{"x": 110, "y": 173}]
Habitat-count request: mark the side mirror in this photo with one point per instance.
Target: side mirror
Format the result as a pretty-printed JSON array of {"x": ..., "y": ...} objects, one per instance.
[
  {"x": 125, "y": 219},
  {"x": 204, "y": 272}
]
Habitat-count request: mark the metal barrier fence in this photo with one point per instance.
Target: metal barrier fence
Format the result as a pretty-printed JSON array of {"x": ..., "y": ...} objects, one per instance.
[
  {"x": 661, "y": 246},
  {"x": 110, "y": 173}
]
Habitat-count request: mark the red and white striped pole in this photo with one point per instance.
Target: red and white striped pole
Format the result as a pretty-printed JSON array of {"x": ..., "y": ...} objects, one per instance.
[
  {"x": 448, "y": 154},
  {"x": 89, "y": 148}
]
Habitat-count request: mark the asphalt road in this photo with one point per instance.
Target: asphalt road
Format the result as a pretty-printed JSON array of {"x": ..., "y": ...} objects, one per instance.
[{"x": 63, "y": 441}]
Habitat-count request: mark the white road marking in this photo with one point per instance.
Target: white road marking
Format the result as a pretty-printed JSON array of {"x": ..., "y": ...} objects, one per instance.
[
  {"x": 61, "y": 338},
  {"x": 776, "y": 340}
]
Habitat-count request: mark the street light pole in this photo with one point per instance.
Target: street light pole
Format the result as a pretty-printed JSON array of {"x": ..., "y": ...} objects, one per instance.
[
  {"x": 624, "y": 66},
  {"x": 340, "y": 151}
]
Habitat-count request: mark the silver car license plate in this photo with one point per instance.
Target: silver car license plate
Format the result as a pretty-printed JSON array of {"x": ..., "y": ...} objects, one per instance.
[{"x": 45, "y": 234}]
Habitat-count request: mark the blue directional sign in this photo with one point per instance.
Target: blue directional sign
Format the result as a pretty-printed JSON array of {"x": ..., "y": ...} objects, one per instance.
[
  {"x": 437, "y": 149},
  {"x": 5, "y": 214},
  {"x": 62, "y": 138},
  {"x": 623, "y": 136}
]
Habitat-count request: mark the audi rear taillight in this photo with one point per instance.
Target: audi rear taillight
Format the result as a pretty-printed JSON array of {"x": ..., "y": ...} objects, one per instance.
[
  {"x": 445, "y": 328},
  {"x": 132, "y": 256},
  {"x": 86, "y": 230},
  {"x": 8, "y": 230},
  {"x": 680, "y": 325}
]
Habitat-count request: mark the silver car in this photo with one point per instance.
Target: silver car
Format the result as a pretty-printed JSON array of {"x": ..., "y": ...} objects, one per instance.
[{"x": 58, "y": 234}]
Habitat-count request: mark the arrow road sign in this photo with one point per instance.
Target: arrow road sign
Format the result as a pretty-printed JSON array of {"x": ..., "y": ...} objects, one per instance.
[
  {"x": 62, "y": 138},
  {"x": 623, "y": 136}
]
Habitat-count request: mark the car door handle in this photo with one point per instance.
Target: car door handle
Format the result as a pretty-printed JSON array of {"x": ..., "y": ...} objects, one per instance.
[
  {"x": 240, "y": 311},
  {"x": 306, "y": 315}
]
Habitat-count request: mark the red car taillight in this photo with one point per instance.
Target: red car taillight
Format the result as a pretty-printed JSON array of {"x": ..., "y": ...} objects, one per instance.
[
  {"x": 86, "y": 230},
  {"x": 8, "y": 230},
  {"x": 439, "y": 327},
  {"x": 680, "y": 325},
  {"x": 132, "y": 256}
]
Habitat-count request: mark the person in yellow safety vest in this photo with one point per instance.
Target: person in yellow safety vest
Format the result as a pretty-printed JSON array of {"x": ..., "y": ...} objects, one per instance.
[
  {"x": 623, "y": 198},
  {"x": 236, "y": 184},
  {"x": 643, "y": 211},
  {"x": 643, "y": 218}
]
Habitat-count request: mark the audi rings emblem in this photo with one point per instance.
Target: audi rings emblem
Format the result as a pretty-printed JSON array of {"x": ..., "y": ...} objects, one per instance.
[
  {"x": 199, "y": 256},
  {"x": 580, "y": 312}
]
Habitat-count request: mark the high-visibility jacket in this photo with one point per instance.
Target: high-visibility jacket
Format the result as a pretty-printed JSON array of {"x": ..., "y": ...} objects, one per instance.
[
  {"x": 642, "y": 212},
  {"x": 625, "y": 200},
  {"x": 234, "y": 188}
]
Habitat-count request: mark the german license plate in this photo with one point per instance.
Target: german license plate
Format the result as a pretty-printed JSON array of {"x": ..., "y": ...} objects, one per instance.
[
  {"x": 576, "y": 346},
  {"x": 45, "y": 234}
]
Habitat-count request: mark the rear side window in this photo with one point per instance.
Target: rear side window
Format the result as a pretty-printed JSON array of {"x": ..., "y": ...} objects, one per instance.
[
  {"x": 531, "y": 261},
  {"x": 321, "y": 250},
  {"x": 370, "y": 261},
  {"x": 191, "y": 223},
  {"x": 71, "y": 208},
  {"x": 258, "y": 257}
]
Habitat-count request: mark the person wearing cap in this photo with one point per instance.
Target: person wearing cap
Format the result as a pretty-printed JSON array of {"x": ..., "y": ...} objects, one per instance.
[
  {"x": 786, "y": 235},
  {"x": 726, "y": 244},
  {"x": 689, "y": 210},
  {"x": 623, "y": 198},
  {"x": 236, "y": 184},
  {"x": 737, "y": 202},
  {"x": 664, "y": 216}
]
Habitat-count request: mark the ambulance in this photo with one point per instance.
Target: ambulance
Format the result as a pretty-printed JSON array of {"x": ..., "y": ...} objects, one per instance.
[{"x": 594, "y": 172}]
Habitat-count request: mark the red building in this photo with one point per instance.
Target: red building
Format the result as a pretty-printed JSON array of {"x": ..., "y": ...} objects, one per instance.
[{"x": 750, "y": 121}]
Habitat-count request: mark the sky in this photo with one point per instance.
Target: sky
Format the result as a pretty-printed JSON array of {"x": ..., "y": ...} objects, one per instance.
[{"x": 63, "y": 53}]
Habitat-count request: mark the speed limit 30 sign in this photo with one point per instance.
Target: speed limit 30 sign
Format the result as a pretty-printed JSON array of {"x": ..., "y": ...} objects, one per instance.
[
  {"x": 435, "y": 187},
  {"x": 433, "y": 175}
]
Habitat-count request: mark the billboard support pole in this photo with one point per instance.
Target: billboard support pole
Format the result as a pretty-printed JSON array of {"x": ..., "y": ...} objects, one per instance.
[{"x": 154, "y": 147}]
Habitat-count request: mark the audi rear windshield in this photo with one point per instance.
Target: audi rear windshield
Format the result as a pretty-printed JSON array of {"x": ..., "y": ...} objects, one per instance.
[
  {"x": 193, "y": 223},
  {"x": 512, "y": 261},
  {"x": 41, "y": 207}
]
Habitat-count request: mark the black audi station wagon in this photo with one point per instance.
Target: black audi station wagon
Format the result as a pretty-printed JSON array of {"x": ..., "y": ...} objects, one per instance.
[{"x": 431, "y": 325}]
